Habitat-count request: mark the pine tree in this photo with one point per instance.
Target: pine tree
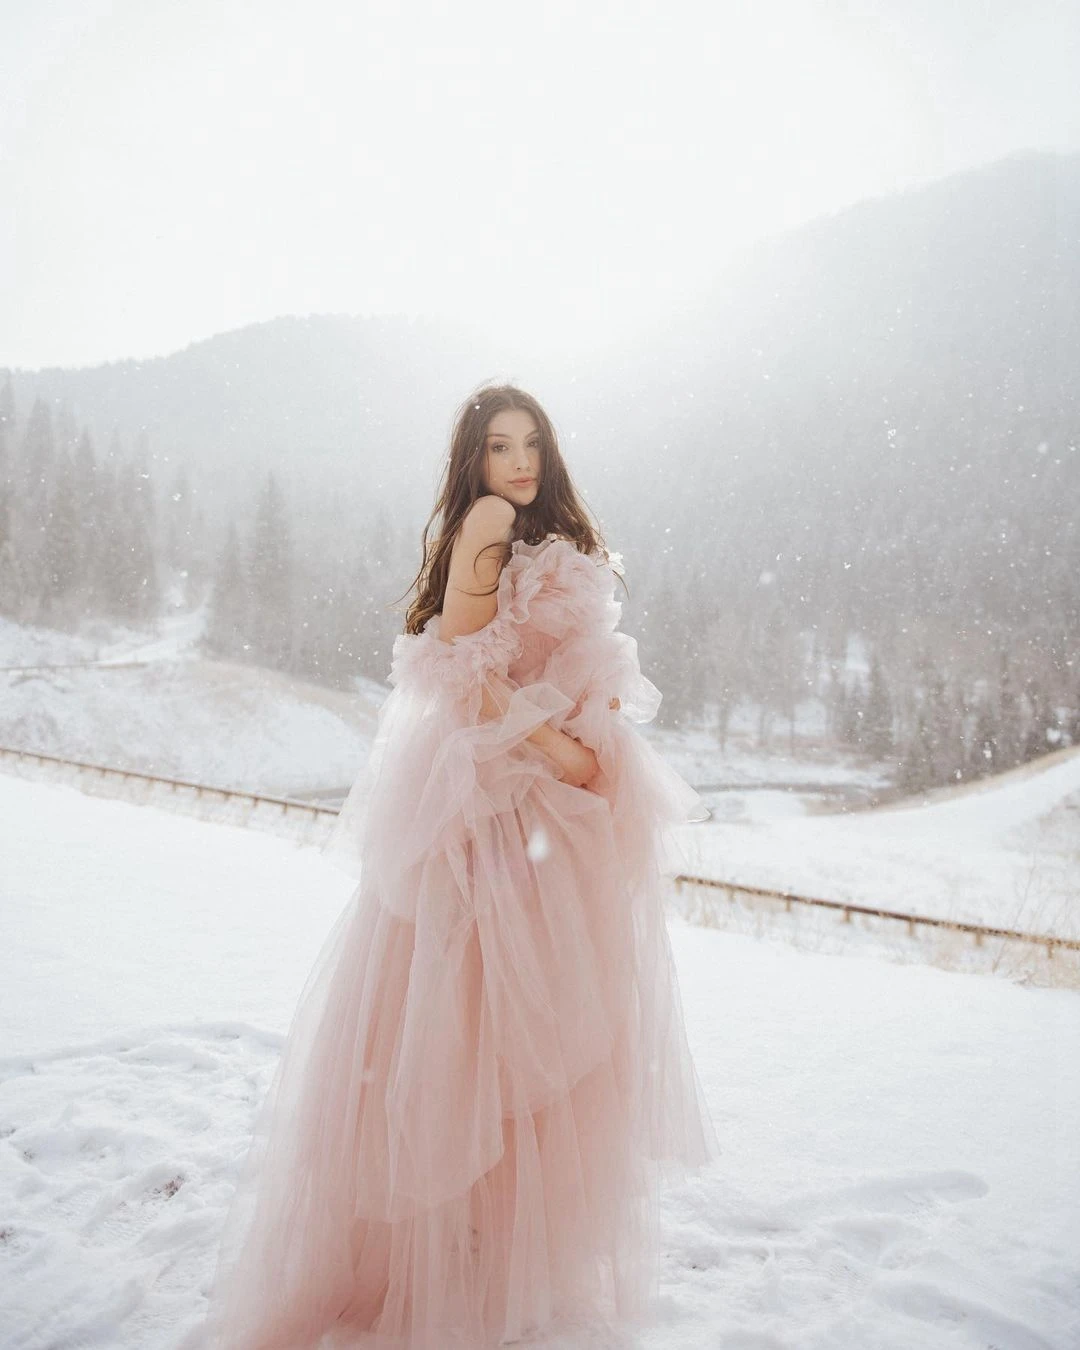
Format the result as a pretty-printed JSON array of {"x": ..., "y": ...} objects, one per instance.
[
  {"x": 1009, "y": 729},
  {"x": 851, "y": 712},
  {"x": 664, "y": 641},
  {"x": 32, "y": 494},
  {"x": 143, "y": 533},
  {"x": 142, "y": 482},
  {"x": 66, "y": 429},
  {"x": 984, "y": 752},
  {"x": 725, "y": 644},
  {"x": 952, "y": 753},
  {"x": 379, "y": 623},
  {"x": 38, "y": 452},
  {"x": 178, "y": 516},
  {"x": 108, "y": 561},
  {"x": 133, "y": 563},
  {"x": 91, "y": 537},
  {"x": 877, "y": 733},
  {"x": 61, "y": 560},
  {"x": 1041, "y": 719},
  {"x": 228, "y": 626},
  {"x": 270, "y": 573},
  {"x": 917, "y": 770}
]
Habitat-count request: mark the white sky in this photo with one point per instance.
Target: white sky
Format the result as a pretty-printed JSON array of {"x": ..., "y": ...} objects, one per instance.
[{"x": 560, "y": 170}]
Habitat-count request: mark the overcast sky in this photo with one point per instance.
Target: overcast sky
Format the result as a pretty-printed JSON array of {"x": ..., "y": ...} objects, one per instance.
[{"x": 563, "y": 169}]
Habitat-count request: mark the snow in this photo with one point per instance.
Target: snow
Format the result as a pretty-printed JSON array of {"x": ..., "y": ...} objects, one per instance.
[
  {"x": 180, "y": 633},
  {"x": 1001, "y": 852},
  {"x": 210, "y": 720},
  {"x": 697, "y": 756},
  {"x": 27, "y": 644},
  {"x": 901, "y": 1163},
  {"x": 155, "y": 706}
]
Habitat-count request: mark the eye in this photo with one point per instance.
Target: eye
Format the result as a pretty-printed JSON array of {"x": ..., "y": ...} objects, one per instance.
[{"x": 501, "y": 445}]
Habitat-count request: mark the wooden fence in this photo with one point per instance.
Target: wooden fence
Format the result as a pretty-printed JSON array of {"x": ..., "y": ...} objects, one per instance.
[
  {"x": 849, "y": 908},
  {"x": 309, "y": 822},
  {"x": 305, "y": 822}
]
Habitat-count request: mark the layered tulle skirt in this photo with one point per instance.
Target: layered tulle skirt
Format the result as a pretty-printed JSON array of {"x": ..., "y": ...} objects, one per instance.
[{"x": 487, "y": 1079}]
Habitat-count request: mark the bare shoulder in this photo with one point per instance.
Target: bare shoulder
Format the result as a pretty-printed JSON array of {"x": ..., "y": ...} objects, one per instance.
[
  {"x": 476, "y": 561},
  {"x": 490, "y": 518},
  {"x": 477, "y": 554}
]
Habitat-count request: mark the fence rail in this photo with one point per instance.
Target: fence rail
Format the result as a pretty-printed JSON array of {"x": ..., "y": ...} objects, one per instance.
[
  {"x": 305, "y": 822},
  {"x": 848, "y": 908},
  {"x": 75, "y": 665},
  {"x": 272, "y": 813},
  {"x": 200, "y": 789}
]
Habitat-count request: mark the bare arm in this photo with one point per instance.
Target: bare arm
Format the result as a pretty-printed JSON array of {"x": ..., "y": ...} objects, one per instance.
[{"x": 475, "y": 564}]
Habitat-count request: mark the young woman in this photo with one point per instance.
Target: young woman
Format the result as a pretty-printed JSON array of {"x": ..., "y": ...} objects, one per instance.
[{"x": 487, "y": 1078}]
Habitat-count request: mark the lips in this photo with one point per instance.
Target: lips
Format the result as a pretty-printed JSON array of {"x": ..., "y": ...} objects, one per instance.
[{"x": 522, "y": 482}]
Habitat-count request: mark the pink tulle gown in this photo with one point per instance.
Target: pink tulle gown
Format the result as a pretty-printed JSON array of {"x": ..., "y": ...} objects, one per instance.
[{"x": 487, "y": 1080}]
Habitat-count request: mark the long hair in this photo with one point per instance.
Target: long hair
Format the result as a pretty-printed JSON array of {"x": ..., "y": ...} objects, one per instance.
[{"x": 556, "y": 508}]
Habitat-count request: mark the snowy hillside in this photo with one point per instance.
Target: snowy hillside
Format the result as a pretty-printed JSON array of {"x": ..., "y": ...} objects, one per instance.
[
  {"x": 901, "y": 1166},
  {"x": 155, "y": 706},
  {"x": 1004, "y": 851}
]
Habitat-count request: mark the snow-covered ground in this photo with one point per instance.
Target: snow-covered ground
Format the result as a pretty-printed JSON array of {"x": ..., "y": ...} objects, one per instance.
[
  {"x": 901, "y": 1166},
  {"x": 1014, "y": 864},
  {"x": 154, "y": 706},
  {"x": 1005, "y": 852},
  {"x": 178, "y": 637}
]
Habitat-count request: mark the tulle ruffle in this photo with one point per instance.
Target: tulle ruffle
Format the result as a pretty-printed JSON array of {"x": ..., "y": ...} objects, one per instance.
[
  {"x": 487, "y": 1077},
  {"x": 549, "y": 589}
]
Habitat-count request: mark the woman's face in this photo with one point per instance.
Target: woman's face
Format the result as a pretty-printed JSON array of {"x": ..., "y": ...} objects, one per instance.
[{"x": 512, "y": 456}]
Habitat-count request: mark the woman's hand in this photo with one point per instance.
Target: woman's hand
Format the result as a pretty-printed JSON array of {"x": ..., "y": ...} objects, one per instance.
[{"x": 579, "y": 764}]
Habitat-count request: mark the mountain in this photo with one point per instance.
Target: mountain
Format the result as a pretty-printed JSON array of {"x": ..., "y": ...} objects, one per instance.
[{"x": 866, "y": 426}]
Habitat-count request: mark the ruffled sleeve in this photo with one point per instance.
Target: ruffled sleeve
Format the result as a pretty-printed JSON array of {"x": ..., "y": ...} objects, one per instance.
[
  {"x": 452, "y": 747},
  {"x": 452, "y": 744},
  {"x": 596, "y": 664}
]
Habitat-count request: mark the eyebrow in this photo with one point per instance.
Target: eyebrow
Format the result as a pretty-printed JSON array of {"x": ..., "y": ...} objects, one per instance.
[{"x": 503, "y": 436}]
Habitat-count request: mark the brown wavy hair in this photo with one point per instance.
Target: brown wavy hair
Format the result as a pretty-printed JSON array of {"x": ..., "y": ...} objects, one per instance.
[{"x": 556, "y": 508}]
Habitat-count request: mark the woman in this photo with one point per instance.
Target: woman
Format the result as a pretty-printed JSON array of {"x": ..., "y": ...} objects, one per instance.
[{"x": 487, "y": 1076}]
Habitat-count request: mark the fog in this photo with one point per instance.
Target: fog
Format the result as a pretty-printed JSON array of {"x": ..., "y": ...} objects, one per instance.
[
  {"x": 178, "y": 171},
  {"x": 799, "y": 287}
]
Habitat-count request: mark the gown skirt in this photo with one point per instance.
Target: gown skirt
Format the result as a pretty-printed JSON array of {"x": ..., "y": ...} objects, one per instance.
[{"x": 487, "y": 1081}]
